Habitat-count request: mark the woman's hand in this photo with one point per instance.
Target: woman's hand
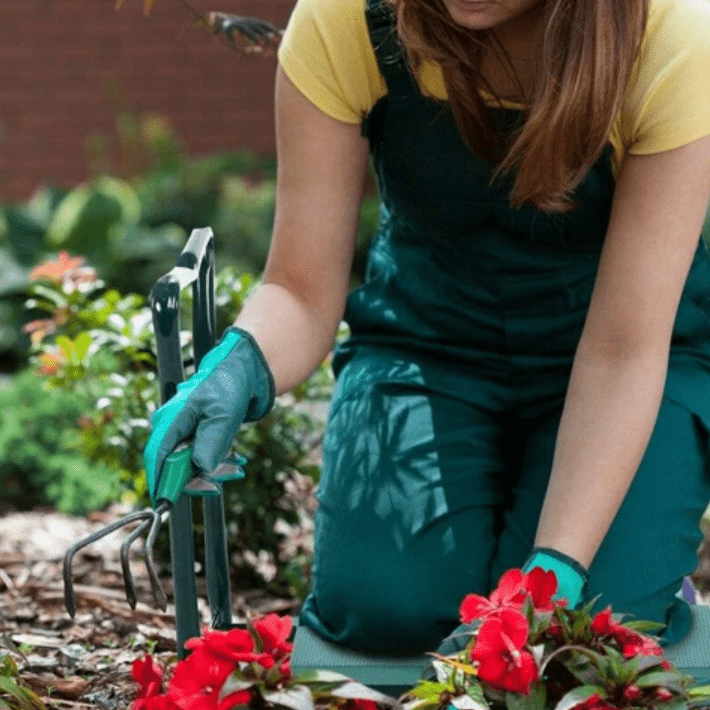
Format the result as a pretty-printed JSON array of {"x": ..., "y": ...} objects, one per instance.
[
  {"x": 572, "y": 578},
  {"x": 232, "y": 385}
]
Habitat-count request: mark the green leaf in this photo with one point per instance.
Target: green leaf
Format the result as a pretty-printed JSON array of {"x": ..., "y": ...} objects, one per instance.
[
  {"x": 428, "y": 690},
  {"x": 66, "y": 346},
  {"x": 321, "y": 676},
  {"x": 353, "y": 690},
  {"x": 476, "y": 692},
  {"x": 26, "y": 698},
  {"x": 578, "y": 695},
  {"x": 466, "y": 702},
  {"x": 675, "y": 704},
  {"x": 659, "y": 678},
  {"x": 56, "y": 298},
  {"x": 299, "y": 698},
  {"x": 699, "y": 690},
  {"x": 643, "y": 626},
  {"x": 82, "y": 345},
  {"x": 535, "y": 700},
  {"x": 587, "y": 608},
  {"x": 234, "y": 684}
]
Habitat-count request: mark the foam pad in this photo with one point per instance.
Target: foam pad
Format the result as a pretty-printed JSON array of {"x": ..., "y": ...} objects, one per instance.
[{"x": 394, "y": 675}]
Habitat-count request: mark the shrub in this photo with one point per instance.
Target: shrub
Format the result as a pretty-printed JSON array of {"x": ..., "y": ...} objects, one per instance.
[{"x": 99, "y": 343}]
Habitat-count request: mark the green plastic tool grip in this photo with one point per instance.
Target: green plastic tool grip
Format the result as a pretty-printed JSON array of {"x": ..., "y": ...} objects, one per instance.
[
  {"x": 179, "y": 475},
  {"x": 177, "y": 471}
]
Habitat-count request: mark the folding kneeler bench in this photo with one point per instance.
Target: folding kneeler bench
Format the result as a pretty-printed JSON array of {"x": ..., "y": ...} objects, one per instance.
[{"x": 392, "y": 675}]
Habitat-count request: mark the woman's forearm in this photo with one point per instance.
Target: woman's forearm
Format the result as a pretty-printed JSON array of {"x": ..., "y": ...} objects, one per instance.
[
  {"x": 609, "y": 413},
  {"x": 294, "y": 336}
]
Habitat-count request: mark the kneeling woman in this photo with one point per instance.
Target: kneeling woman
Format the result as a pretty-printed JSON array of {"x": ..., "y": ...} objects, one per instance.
[{"x": 527, "y": 380}]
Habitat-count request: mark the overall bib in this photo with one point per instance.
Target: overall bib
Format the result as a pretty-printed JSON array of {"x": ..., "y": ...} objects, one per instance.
[{"x": 449, "y": 392}]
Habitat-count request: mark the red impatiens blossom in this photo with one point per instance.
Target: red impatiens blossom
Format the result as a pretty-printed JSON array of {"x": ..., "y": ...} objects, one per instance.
[
  {"x": 602, "y": 624},
  {"x": 510, "y": 594},
  {"x": 542, "y": 586},
  {"x": 498, "y": 650},
  {"x": 633, "y": 644},
  {"x": 273, "y": 631},
  {"x": 632, "y": 692},
  {"x": 232, "y": 646},
  {"x": 358, "y": 704},
  {"x": 663, "y": 694},
  {"x": 595, "y": 702},
  {"x": 197, "y": 680},
  {"x": 149, "y": 676}
]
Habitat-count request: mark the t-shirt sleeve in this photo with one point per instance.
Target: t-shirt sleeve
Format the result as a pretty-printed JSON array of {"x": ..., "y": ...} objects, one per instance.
[
  {"x": 668, "y": 104},
  {"x": 327, "y": 54}
]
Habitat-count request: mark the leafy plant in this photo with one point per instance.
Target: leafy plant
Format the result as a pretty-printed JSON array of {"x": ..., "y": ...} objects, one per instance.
[
  {"x": 98, "y": 345},
  {"x": 13, "y": 695}
]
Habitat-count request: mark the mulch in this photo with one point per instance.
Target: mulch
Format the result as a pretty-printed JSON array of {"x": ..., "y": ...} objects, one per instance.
[{"x": 85, "y": 663}]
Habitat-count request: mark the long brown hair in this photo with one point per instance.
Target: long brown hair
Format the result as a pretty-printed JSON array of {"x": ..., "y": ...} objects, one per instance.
[{"x": 588, "y": 54}]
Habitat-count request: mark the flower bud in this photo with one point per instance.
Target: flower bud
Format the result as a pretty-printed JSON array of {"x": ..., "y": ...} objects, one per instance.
[
  {"x": 632, "y": 692},
  {"x": 663, "y": 694}
]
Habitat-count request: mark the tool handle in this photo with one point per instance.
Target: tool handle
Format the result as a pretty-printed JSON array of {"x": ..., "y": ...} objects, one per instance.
[{"x": 181, "y": 475}]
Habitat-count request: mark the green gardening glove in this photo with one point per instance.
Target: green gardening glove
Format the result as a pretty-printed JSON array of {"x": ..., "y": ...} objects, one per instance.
[
  {"x": 233, "y": 385},
  {"x": 572, "y": 578}
]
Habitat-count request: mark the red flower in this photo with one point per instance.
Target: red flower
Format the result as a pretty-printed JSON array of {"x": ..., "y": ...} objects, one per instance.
[
  {"x": 198, "y": 679},
  {"x": 285, "y": 668},
  {"x": 542, "y": 586},
  {"x": 666, "y": 665},
  {"x": 149, "y": 676},
  {"x": 663, "y": 694},
  {"x": 633, "y": 644},
  {"x": 56, "y": 270},
  {"x": 359, "y": 704},
  {"x": 232, "y": 646},
  {"x": 602, "y": 624},
  {"x": 632, "y": 692},
  {"x": 510, "y": 594},
  {"x": 240, "y": 697},
  {"x": 498, "y": 650},
  {"x": 273, "y": 631},
  {"x": 594, "y": 702}
]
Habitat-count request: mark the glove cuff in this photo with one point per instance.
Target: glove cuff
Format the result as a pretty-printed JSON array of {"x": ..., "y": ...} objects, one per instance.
[
  {"x": 569, "y": 561},
  {"x": 264, "y": 395}
]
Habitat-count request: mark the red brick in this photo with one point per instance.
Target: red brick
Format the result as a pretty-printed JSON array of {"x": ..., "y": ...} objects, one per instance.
[{"x": 71, "y": 67}]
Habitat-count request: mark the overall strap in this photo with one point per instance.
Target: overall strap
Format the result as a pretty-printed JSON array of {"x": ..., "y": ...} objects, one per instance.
[{"x": 388, "y": 50}]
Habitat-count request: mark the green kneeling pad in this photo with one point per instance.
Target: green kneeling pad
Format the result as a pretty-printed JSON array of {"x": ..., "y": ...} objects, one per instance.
[{"x": 394, "y": 675}]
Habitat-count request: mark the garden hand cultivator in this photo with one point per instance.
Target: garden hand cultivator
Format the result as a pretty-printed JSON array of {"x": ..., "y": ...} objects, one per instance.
[
  {"x": 179, "y": 478},
  {"x": 179, "y": 475}
]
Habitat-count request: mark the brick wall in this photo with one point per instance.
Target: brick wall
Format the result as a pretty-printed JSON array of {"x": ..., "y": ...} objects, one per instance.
[{"x": 70, "y": 66}]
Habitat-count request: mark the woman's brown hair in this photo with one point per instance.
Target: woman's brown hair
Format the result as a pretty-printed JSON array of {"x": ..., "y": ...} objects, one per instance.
[{"x": 588, "y": 54}]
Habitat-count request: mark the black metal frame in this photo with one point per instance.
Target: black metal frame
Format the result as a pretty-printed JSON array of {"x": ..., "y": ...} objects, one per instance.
[{"x": 195, "y": 267}]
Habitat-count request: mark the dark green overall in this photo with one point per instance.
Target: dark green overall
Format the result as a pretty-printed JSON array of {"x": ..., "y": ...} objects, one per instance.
[{"x": 442, "y": 426}]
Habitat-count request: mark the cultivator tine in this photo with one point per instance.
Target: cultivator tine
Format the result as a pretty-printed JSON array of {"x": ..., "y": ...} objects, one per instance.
[
  {"x": 151, "y": 520},
  {"x": 158, "y": 594},
  {"x": 127, "y": 576},
  {"x": 69, "y": 598}
]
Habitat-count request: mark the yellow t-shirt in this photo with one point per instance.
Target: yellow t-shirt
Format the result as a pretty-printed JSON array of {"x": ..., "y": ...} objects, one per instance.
[{"x": 327, "y": 54}]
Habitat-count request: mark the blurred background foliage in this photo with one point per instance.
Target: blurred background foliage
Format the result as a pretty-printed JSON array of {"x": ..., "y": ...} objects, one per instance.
[
  {"x": 131, "y": 220},
  {"x": 76, "y": 267}
]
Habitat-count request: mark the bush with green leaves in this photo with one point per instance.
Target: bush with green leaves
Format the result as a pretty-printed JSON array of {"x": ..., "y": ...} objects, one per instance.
[
  {"x": 13, "y": 694},
  {"x": 41, "y": 461},
  {"x": 96, "y": 345}
]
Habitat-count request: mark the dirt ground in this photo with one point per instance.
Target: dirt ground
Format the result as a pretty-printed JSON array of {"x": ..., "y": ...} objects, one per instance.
[{"x": 85, "y": 663}]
